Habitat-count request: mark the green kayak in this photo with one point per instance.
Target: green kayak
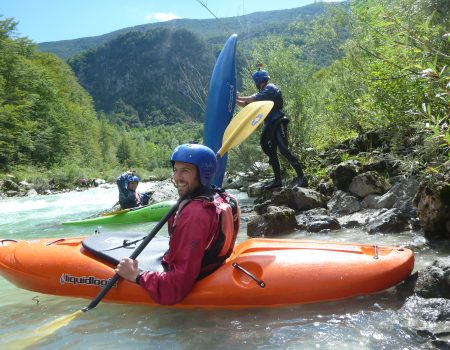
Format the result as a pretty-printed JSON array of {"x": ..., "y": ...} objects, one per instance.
[{"x": 153, "y": 212}]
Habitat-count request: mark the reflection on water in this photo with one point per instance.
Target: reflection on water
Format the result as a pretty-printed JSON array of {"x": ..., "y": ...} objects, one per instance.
[{"x": 369, "y": 322}]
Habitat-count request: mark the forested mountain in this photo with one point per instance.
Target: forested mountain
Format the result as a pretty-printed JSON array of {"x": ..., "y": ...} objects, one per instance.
[
  {"x": 147, "y": 78},
  {"x": 215, "y": 31}
]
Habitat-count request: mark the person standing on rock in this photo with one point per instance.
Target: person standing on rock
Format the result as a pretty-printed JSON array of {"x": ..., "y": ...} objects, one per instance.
[{"x": 274, "y": 135}]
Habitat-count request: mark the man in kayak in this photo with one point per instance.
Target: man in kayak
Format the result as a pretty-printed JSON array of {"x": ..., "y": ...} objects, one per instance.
[
  {"x": 127, "y": 184},
  {"x": 274, "y": 134},
  {"x": 202, "y": 231}
]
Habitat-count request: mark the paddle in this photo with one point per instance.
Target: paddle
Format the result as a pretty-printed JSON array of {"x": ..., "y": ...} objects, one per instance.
[
  {"x": 121, "y": 211},
  {"x": 133, "y": 256},
  {"x": 241, "y": 126}
]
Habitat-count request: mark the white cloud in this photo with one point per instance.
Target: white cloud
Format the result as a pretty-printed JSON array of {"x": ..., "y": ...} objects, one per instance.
[{"x": 161, "y": 16}]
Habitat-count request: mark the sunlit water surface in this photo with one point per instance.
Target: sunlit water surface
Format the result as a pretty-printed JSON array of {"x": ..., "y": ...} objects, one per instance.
[{"x": 369, "y": 322}]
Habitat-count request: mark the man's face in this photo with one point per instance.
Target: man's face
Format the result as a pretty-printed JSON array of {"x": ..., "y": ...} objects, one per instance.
[
  {"x": 132, "y": 185},
  {"x": 185, "y": 177}
]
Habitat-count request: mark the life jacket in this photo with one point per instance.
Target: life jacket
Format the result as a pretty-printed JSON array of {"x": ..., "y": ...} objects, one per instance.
[{"x": 221, "y": 244}]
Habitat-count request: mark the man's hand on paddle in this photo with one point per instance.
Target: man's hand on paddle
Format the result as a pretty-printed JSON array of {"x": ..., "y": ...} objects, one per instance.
[{"x": 128, "y": 269}]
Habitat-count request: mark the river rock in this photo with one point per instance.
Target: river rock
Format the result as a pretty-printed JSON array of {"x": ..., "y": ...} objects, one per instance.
[
  {"x": 434, "y": 280},
  {"x": 31, "y": 193},
  {"x": 343, "y": 174},
  {"x": 9, "y": 185},
  {"x": 343, "y": 203},
  {"x": 162, "y": 191},
  {"x": 433, "y": 205},
  {"x": 256, "y": 189},
  {"x": 428, "y": 318},
  {"x": 275, "y": 221},
  {"x": 358, "y": 219},
  {"x": 367, "y": 183},
  {"x": 389, "y": 221},
  {"x": 317, "y": 220},
  {"x": 299, "y": 198}
]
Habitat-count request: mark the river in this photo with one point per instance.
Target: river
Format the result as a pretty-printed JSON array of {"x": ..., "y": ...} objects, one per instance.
[{"x": 367, "y": 322}]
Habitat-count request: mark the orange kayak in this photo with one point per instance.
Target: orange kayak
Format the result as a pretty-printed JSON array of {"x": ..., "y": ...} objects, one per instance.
[{"x": 260, "y": 272}]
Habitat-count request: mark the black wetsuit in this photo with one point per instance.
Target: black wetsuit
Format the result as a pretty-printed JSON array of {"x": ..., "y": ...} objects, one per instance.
[{"x": 274, "y": 135}]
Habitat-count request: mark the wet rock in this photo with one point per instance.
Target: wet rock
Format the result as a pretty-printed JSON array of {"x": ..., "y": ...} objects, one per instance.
[
  {"x": 434, "y": 280},
  {"x": 31, "y": 193},
  {"x": 256, "y": 189},
  {"x": 9, "y": 185},
  {"x": 233, "y": 183},
  {"x": 317, "y": 220},
  {"x": 358, "y": 219},
  {"x": 433, "y": 206},
  {"x": 343, "y": 174},
  {"x": 275, "y": 221},
  {"x": 162, "y": 191},
  {"x": 299, "y": 198},
  {"x": 305, "y": 199},
  {"x": 343, "y": 203},
  {"x": 371, "y": 201},
  {"x": 261, "y": 208},
  {"x": 404, "y": 191},
  {"x": 326, "y": 188},
  {"x": 429, "y": 319},
  {"x": 389, "y": 221},
  {"x": 367, "y": 183}
]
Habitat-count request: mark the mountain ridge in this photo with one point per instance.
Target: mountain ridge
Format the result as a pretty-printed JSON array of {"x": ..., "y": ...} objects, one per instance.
[{"x": 207, "y": 29}]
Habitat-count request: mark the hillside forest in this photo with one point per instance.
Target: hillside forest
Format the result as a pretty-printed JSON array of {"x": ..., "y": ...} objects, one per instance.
[{"x": 352, "y": 69}]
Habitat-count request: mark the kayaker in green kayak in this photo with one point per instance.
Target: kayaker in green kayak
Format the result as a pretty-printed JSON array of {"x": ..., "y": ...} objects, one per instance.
[{"x": 127, "y": 184}]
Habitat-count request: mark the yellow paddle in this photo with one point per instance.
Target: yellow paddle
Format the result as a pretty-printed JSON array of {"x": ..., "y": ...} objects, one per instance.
[{"x": 241, "y": 126}]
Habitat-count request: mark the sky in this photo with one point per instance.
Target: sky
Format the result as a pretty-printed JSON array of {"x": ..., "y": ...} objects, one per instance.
[{"x": 52, "y": 20}]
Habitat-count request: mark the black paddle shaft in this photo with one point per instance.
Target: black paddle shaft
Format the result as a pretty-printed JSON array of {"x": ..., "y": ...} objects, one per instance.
[{"x": 133, "y": 256}]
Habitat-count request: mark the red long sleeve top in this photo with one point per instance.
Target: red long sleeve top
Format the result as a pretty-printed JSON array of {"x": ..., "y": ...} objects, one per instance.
[{"x": 195, "y": 227}]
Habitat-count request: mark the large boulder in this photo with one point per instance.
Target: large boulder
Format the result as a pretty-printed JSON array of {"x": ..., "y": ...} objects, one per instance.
[
  {"x": 433, "y": 205},
  {"x": 367, "y": 183},
  {"x": 434, "y": 280},
  {"x": 275, "y": 221},
  {"x": 343, "y": 203},
  {"x": 389, "y": 221},
  {"x": 343, "y": 174}
]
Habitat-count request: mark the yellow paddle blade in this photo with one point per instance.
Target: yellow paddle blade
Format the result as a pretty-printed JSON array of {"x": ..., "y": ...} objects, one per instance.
[
  {"x": 243, "y": 124},
  {"x": 28, "y": 341}
]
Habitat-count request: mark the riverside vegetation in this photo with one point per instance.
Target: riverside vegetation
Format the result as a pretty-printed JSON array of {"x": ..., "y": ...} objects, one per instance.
[{"x": 345, "y": 70}]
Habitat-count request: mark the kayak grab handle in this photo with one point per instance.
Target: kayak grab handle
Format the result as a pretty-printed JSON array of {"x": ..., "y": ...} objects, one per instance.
[
  {"x": 375, "y": 251},
  {"x": 260, "y": 283}
]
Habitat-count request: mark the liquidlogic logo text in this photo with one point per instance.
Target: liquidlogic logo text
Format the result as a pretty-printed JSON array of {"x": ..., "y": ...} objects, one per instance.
[{"x": 84, "y": 280}]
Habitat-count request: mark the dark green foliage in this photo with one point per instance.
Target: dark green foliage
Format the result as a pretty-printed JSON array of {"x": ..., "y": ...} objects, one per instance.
[
  {"x": 139, "y": 79},
  {"x": 46, "y": 118}
]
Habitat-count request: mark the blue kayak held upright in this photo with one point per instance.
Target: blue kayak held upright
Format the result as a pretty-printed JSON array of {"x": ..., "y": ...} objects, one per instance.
[{"x": 220, "y": 103}]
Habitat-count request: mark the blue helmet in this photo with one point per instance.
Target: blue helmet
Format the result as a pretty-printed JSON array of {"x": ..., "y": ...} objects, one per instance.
[
  {"x": 133, "y": 178},
  {"x": 201, "y": 156},
  {"x": 260, "y": 76}
]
